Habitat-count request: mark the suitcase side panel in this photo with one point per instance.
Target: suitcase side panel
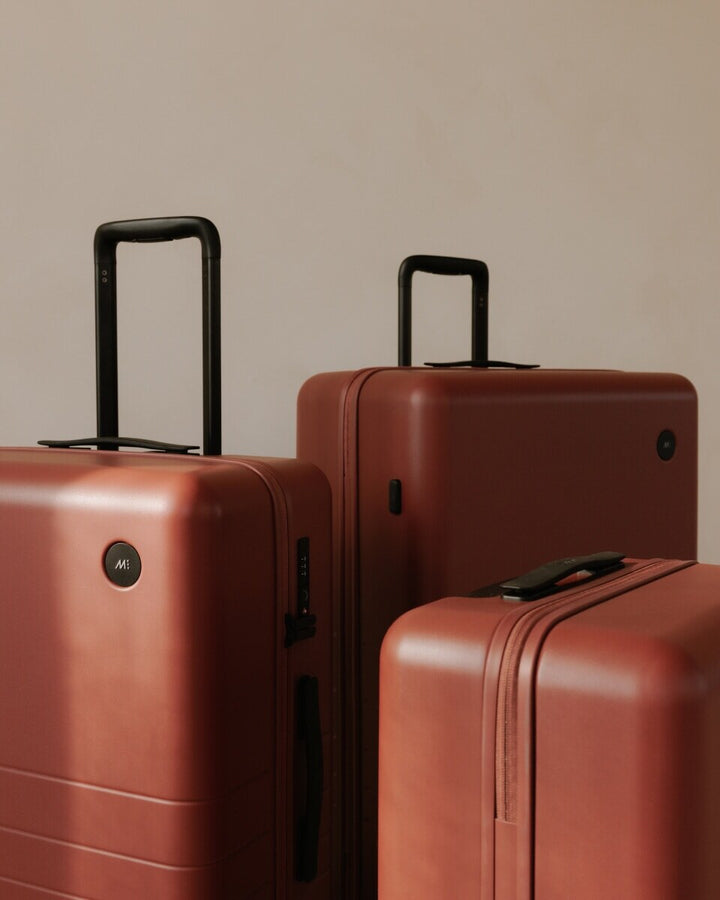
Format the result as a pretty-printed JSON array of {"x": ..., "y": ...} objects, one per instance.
[
  {"x": 438, "y": 670},
  {"x": 327, "y": 438},
  {"x": 627, "y": 787},
  {"x": 302, "y": 498},
  {"x": 320, "y": 429}
]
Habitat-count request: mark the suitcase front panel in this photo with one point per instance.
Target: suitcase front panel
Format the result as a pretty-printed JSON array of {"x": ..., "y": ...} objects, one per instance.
[
  {"x": 135, "y": 667},
  {"x": 627, "y": 781},
  {"x": 134, "y": 712}
]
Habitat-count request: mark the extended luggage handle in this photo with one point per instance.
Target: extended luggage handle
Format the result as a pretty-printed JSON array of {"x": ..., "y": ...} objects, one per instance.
[
  {"x": 444, "y": 265},
  {"x": 107, "y": 237}
]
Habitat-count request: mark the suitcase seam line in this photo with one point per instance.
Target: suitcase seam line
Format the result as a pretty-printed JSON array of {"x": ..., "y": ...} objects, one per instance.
[
  {"x": 51, "y": 892},
  {"x": 87, "y": 848},
  {"x": 25, "y": 773}
]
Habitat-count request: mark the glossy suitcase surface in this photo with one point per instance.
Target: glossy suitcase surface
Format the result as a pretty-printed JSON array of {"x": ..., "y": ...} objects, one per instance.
[
  {"x": 444, "y": 479},
  {"x": 164, "y": 689},
  {"x": 562, "y": 747}
]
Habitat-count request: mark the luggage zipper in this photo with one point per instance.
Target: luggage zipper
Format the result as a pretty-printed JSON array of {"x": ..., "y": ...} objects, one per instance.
[{"x": 565, "y": 605}]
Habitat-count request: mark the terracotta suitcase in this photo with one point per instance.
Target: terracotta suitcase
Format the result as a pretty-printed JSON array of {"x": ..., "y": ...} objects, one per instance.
[
  {"x": 165, "y": 654},
  {"x": 446, "y": 478},
  {"x": 564, "y": 746}
]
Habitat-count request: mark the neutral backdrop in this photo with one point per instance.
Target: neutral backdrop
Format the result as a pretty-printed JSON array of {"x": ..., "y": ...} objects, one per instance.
[{"x": 571, "y": 144}]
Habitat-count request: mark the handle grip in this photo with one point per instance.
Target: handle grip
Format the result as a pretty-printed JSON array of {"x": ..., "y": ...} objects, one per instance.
[
  {"x": 107, "y": 237},
  {"x": 172, "y": 228},
  {"x": 542, "y": 580},
  {"x": 443, "y": 265},
  {"x": 308, "y": 828}
]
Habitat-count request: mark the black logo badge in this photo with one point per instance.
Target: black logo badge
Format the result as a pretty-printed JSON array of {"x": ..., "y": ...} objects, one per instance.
[{"x": 122, "y": 564}]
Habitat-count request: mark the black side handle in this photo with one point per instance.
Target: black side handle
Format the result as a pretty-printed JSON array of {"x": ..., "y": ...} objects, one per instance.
[
  {"x": 443, "y": 265},
  {"x": 543, "y": 580},
  {"x": 308, "y": 828},
  {"x": 107, "y": 238}
]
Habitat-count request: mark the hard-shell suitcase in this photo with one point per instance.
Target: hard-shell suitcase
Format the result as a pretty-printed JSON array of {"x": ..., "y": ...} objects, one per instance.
[
  {"x": 446, "y": 478},
  {"x": 165, "y": 653},
  {"x": 566, "y": 746}
]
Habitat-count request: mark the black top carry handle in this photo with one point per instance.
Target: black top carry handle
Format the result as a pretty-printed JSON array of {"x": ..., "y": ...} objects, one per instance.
[
  {"x": 548, "y": 578},
  {"x": 107, "y": 237},
  {"x": 443, "y": 265},
  {"x": 544, "y": 580}
]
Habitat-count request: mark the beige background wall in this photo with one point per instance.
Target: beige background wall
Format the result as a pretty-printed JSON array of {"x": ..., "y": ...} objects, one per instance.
[{"x": 571, "y": 145}]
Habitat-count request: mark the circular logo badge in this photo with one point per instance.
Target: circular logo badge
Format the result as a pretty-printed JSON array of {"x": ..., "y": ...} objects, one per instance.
[{"x": 122, "y": 564}]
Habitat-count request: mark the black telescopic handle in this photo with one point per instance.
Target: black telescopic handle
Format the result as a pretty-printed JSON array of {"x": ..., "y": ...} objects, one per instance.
[
  {"x": 443, "y": 265},
  {"x": 107, "y": 237}
]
